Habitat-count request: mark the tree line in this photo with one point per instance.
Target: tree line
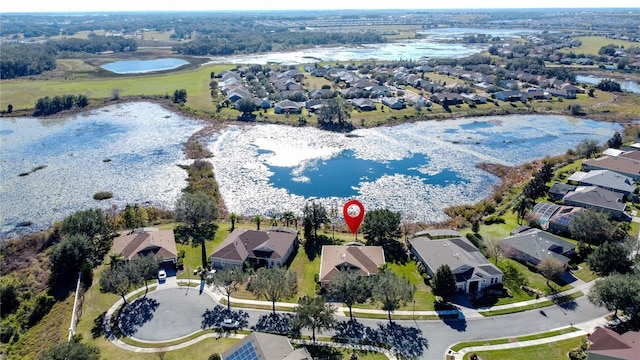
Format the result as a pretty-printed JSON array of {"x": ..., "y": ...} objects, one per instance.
[{"x": 53, "y": 105}]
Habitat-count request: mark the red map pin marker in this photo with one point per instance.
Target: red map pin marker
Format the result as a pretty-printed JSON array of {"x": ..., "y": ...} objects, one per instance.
[{"x": 353, "y": 221}]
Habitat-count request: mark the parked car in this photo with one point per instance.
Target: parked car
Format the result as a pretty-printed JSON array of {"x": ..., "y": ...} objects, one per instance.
[
  {"x": 162, "y": 275},
  {"x": 229, "y": 324}
]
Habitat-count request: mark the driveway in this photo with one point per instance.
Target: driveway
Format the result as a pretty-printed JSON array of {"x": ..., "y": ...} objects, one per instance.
[{"x": 166, "y": 314}]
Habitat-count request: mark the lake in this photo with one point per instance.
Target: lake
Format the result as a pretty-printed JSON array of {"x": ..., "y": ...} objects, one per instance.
[
  {"x": 418, "y": 168},
  {"x": 436, "y": 43},
  {"x": 131, "y": 150},
  {"x": 53, "y": 167},
  {"x": 143, "y": 66},
  {"x": 625, "y": 85}
]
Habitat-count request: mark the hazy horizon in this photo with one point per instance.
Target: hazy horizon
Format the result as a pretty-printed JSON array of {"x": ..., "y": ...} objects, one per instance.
[{"x": 36, "y": 6}]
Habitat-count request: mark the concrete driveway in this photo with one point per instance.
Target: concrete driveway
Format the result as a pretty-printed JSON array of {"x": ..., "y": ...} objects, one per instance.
[{"x": 166, "y": 314}]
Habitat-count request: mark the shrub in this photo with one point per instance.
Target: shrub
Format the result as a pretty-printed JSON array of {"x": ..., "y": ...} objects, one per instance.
[
  {"x": 102, "y": 195},
  {"x": 489, "y": 220}
]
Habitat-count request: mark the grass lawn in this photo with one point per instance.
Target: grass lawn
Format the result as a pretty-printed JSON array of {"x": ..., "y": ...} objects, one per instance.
[
  {"x": 462, "y": 345},
  {"x": 584, "y": 273},
  {"x": 552, "y": 351},
  {"x": 592, "y": 44}
]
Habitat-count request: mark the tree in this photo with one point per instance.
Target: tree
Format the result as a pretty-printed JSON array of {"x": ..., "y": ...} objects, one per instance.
[
  {"x": 493, "y": 248},
  {"x": 95, "y": 225},
  {"x": 335, "y": 111},
  {"x": 587, "y": 148},
  {"x": 120, "y": 279},
  {"x": 522, "y": 205},
  {"x": 228, "y": 279},
  {"x": 615, "y": 142},
  {"x": 134, "y": 216},
  {"x": 617, "y": 292},
  {"x": 68, "y": 257},
  {"x": 444, "y": 282},
  {"x": 391, "y": 291},
  {"x": 315, "y": 215},
  {"x": 350, "y": 287},
  {"x": 257, "y": 219},
  {"x": 246, "y": 106},
  {"x": 71, "y": 350},
  {"x": 381, "y": 226},
  {"x": 233, "y": 217},
  {"x": 147, "y": 269},
  {"x": 608, "y": 85},
  {"x": 180, "y": 96},
  {"x": 513, "y": 278},
  {"x": 274, "y": 284},
  {"x": 287, "y": 218},
  {"x": 551, "y": 268},
  {"x": 314, "y": 313},
  {"x": 197, "y": 211},
  {"x": 610, "y": 258},
  {"x": 115, "y": 259},
  {"x": 592, "y": 227}
]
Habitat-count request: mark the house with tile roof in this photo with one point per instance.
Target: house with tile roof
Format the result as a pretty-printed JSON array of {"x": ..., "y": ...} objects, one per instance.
[
  {"x": 535, "y": 245},
  {"x": 336, "y": 259},
  {"x": 260, "y": 248},
  {"x": 599, "y": 199},
  {"x": 606, "y": 344},
  {"x": 623, "y": 164},
  {"x": 472, "y": 270},
  {"x": 141, "y": 242}
]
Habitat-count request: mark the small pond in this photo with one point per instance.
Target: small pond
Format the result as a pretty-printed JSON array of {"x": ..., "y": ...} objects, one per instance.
[
  {"x": 625, "y": 85},
  {"x": 144, "y": 66}
]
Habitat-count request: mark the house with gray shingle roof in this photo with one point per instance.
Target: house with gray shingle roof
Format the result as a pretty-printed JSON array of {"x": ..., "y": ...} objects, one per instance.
[
  {"x": 535, "y": 245},
  {"x": 599, "y": 199},
  {"x": 472, "y": 270},
  {"x": 363, "y": 259},
  {"x": 623, "y": 164},
  {"x": 270, "y": 248},
  {"x": 606, "y": 179}
]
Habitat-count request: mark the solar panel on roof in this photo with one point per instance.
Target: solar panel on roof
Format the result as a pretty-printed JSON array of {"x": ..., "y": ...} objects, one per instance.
[{"x": 245, "y": 352}]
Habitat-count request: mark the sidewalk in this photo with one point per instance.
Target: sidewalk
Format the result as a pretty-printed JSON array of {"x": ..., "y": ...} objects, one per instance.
[{"x": 584, "y": 328}]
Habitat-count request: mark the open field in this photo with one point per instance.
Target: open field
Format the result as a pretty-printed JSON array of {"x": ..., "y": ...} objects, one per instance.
[{"x": 592, "y": 44}]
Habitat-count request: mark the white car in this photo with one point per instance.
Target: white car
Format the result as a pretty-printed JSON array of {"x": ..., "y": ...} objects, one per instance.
[
  {"x": 229, "y": 324},
  {"x": 162, "y": 275}
]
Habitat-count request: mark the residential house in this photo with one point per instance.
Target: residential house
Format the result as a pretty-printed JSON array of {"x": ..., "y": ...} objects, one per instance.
[
  {"x": 336, "y": 259},
  {"x": 270, "y": 248},
  {"x": 472, "y": 270},
  {"x": 446, "y": 98},
  {"x": 606, "y": 179},
  {"x": 394, "y": 103},
  {"x": 562, "y": 93},
  {"x": 535, "y": 245},
  {"x": 559, "y": 190},
  {"x": 287, "y": 107},
  {"x": 264, "y": 346},
  {"x": 621, "y": 164},
  {"x": 560, "y": 220},
  {"x": 314, "y": 104},
  {"x": 159, "y": 243},
  {"x": 363, "y": 104},
  {"x": 606, "y": 344},
  {"x": 474, "y": 98},
  {"x": 510, "y": 95},
  {"x": 596, "y": 198}
]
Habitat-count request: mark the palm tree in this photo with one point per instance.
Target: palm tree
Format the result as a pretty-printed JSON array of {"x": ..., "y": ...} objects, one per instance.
[
  {"x": 233, "y": 217},
  {"x": 115, "y": 259},
  {"x": 257, "y": 219},
  {"x": 287, "y": 218},
  {"x": 521, "y": 206}
]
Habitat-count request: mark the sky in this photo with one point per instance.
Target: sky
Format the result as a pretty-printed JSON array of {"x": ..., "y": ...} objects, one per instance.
[{"x": 198, "y": 5}]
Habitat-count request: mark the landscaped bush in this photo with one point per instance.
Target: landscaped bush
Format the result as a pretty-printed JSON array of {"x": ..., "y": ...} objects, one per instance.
[{"x": 493, "y": 220}]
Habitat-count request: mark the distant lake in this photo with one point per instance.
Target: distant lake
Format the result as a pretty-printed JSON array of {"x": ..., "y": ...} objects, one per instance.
[
  {"x": 435, "y": 43},
  {"x": 625, "y": 85},
  {"x": 143, "y": 66},
  {"x": 52, "y": 167},
  {"x": 419, "y": 168}
]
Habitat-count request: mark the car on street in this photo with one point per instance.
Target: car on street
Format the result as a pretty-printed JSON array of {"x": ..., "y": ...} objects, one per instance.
[
  {"x": 229, "y": 324},
  {"x": 162, "y": 275}
]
